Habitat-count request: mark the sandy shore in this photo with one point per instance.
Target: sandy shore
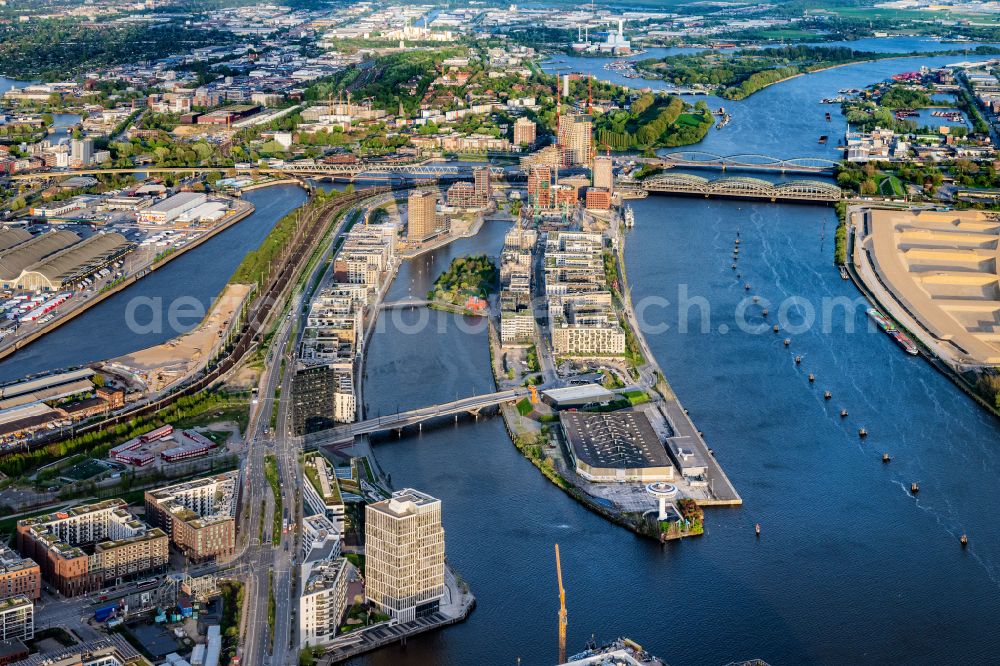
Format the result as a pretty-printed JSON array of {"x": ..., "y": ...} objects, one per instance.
[{"x": 165, "y": 364}]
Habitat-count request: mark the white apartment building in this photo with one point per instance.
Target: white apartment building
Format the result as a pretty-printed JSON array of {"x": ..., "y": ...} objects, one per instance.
[
  {"x": 322, "y": 490},
  {"x": 404, "y": 554},
  {"x": 17, "y": 619},
  {"x": 322, "y": 602}
]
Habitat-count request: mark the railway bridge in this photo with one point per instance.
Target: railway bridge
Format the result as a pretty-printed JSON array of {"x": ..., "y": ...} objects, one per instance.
[
  {"x": 744, "y": 188},
  {"x": 699, "y": 159}
]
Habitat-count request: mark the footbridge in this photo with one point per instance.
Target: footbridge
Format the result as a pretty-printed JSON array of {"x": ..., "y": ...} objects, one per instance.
[
  {"x": 471, "y": 405},
  {"x": 744, "y": 188},
  {"x": 745, "y": 162}
]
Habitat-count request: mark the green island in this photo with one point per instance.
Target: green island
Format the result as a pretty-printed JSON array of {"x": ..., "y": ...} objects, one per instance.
[
  {"x": 468, "y": 280},
  {"x": 739, "y": 74},
  {"x": 653, "y": 122}
]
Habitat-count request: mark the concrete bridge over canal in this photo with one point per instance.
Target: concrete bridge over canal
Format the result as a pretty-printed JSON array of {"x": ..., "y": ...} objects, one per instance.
[
  {"x": 744, "y": 188},
  {"x": 471, "y": 405}
]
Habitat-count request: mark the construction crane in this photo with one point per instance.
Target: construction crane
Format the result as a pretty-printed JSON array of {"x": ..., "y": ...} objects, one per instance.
[{"x": 562, "y": 610}]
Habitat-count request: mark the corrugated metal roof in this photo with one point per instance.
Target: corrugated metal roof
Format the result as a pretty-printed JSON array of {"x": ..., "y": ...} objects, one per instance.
[
  {"x": 15, "y": 260},
  {"x": 72, "y": 261},
  {"x": 11, "y": 237}
]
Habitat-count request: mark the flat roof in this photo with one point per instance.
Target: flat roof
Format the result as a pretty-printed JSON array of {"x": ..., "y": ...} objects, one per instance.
[
  {"x": 582, "y": 393},
  {"x": 179, "y": 199},
  {"x": 620, "y": 440}
]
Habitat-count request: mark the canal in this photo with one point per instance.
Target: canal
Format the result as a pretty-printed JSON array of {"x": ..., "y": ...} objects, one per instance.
[
  {"x": 849, "y": 569},
  {"x": 102, "y": 332}
]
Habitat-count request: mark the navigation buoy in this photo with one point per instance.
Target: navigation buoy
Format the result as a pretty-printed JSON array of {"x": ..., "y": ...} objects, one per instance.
[
  {"x": 964, "y": 540},
  {"x": 914, "y": 488},
  {"x": 734, "y": 267},
  {"x": 886, "y": 458},
  {"x": 737, "y": 240},
  {"x": 843, "y": 413},
  {"x": 775, "y": 328},
  {"x": 862, "y": 433},
  {"x": 827, "y": 395},
  {"x": 798, "y": 359},
  {"x": 764, "y": 312},
  {"x": 788, "y": 341},
  {"x": 747, "y": 286},
  {"x": 756, "y": 299},
  {"x": 812, "y": 377}
]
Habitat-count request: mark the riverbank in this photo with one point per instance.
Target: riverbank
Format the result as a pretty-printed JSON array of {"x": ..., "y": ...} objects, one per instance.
[
  {"x": 874, "y": 289},
  {"x": 245, "y": 209}
]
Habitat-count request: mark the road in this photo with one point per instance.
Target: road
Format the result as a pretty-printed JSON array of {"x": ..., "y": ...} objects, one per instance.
[{"x": 262, "y": 557}]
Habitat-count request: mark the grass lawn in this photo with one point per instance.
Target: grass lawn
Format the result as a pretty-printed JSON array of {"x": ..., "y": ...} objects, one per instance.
[
  {"x": 524, "y": 407},
  {"x": 891, "y": 186},
  {"x": 692, "y": 119}
]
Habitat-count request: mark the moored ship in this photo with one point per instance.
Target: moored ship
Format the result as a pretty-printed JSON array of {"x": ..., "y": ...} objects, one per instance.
[{"x": 889, "y": 329}]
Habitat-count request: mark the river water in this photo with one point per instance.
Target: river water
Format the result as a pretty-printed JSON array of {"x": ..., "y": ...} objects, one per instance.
[
  {"x": 199, "y": 274},
  {"x": 850, "y": 569}
]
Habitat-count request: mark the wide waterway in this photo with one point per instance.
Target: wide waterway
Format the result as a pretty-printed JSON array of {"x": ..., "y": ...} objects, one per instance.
[
  {"x": 200, "y": 273},
  {"x": 849, "y": 569}
]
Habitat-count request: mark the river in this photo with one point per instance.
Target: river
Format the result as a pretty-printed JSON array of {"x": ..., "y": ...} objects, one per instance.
[
  {"x": 199, "y": 273},
  {"x": 849, "y": 569}
]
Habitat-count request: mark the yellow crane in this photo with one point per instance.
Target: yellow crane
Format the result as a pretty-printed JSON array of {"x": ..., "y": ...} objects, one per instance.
[{"x": 562, "y": 610}]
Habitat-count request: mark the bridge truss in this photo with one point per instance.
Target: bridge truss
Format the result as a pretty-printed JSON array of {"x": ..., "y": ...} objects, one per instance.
[
  {"x": 744, "y": 188},
  {"x": 748, "y": 161}
]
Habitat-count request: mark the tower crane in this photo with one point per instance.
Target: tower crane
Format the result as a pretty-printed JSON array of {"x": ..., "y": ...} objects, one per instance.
[{"x": 562, "y": 610}]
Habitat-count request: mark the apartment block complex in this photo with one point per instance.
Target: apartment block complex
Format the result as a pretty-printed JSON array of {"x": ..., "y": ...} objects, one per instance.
[
  {"x": 421, "y": 216},
  {"x": 322, "y": 396},
  {"x": 576, "y": 137},
  {"x": 19, "y": 576},
  {"x": 87, "y": 547},
  {"x": 17, "y": 619},
  {"x": 199, "y": 515},
  {"x": 525, "y": 132},
  {"x": 404, "y": 554},
  {"x": 517, "y": 320},
  {"x": 322, "y": 602},
  {"x": 322, "y": 490},
  {"x": 582, "y": 317}
]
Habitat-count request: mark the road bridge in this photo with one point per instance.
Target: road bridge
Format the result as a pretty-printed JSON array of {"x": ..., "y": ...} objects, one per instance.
[
  {"x": 404, "y": 303},
  {"x": 744, "y": 188},
  {"x": 471, "y": 405},
  {"x": 746, "y": 162}
]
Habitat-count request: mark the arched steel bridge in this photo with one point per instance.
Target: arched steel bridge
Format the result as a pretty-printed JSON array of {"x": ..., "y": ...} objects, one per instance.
[
  {"x": 744, "y": 188},
  {"x": 702, "y": 159}
]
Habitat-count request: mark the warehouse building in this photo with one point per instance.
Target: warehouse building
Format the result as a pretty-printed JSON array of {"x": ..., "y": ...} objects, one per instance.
[
  {"x": 170, "y": 208},
  {"x": 74, "y": 263},
  {"x": 11, "y": 237},
  {"x": 616, "y": 447},
  {"x": 15, "y": 260}
]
